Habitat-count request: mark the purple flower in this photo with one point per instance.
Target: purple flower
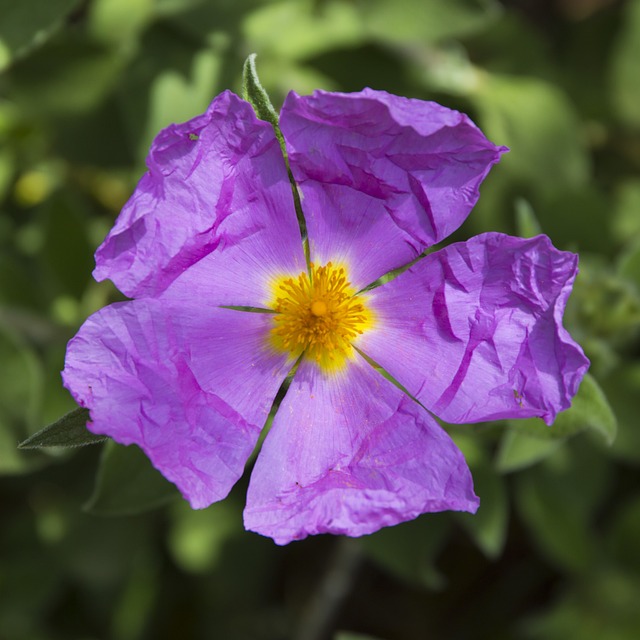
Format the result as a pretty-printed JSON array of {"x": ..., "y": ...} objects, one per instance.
[{"x": 225, "y": 304}]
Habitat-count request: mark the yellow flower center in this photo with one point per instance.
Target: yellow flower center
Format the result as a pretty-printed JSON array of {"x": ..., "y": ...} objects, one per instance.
[{"x": 318, "y": 316}]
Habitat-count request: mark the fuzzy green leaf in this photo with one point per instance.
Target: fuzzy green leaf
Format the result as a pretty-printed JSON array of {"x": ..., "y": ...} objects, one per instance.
[
  {"x": 69, "y": 431},
  {"x": 254, "y": 93}
]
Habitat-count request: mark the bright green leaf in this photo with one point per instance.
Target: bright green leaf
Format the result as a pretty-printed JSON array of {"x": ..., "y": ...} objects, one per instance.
[
  {"x": 298, "y": 29},
  {"x": 519, "y": 450},
  {"x": 538, "y": 123},
  {"x": 197, "y": 537},
  {"x": 417, "y": 21},
  {"x": 69, "y": 431},
  {"x": 127, "y": 483},
  {"x": 175, "y": 97},
  {"x": 589, "y": 410},
  {"x": 527, "y": 225},
  {"x": 115, "y": 21}
]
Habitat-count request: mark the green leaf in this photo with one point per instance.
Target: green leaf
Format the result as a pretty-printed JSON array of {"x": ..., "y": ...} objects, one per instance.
[
  {"x": 26, "y": 24},
  {"x": 69, "y": 76},
  {"x": 197, "y": 537},
  {"x": 527, "y": 225},
  {"x": 589, "y": 410},
  {"x": 67, "y": 252},
  {"x": 69, "y": 431},
  {"x": 176, "y": 97},
  {"x": 115, "y": 21},
  {"x": 625, "y": 224},
  {"x": 127, "y": 483},
  {"x": 418, "y": 22},
  {"x": 312, "y": 28},
  {"x": 488, "y": 526},
  {"x": 538, "y": 123},
  {"x": 558, "y": 531},
  {"x": 520, "y": 450},
  {"x": 559, "y": 499},
  {"x": 529, "y": 441},
  {"x": 21, "y": 380},
  {"x": 254, "y": 93}
]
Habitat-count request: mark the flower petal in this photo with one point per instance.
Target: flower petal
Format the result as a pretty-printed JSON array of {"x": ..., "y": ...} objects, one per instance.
[
  {"x": 382, "y": 177},
  {"x": 474, "y": 331},
  {"x": 349, "y": 454},
  {"x": 217, "y": 185},
  {"x": 132, "y": 365}
]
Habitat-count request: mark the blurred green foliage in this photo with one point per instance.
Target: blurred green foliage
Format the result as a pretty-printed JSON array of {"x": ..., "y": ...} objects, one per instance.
[{"x": 553, "y": 551}]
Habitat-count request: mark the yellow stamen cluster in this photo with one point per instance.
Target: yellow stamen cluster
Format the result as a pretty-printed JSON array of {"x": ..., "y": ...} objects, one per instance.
[{"x": 319, "y": 316}]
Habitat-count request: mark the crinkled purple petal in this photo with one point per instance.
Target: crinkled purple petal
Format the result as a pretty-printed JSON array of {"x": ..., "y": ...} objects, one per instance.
[
  {"x": 381, "y": 177},
  {"x": 217, "y": 186},
  {"x": 140, "y": 369},
  {"x": 349, "y": 454},
  {"x": 474, "y": 331}
]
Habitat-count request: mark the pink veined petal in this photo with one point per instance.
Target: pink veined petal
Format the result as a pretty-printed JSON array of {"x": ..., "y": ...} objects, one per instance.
[
  {"x": 137, "y": 367},
  {"x": 217, "y": 187},
  {"x": 474, "y": 331},
  {"x": 381, "y": 177},
  {"x": 349, "y": 454}
]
